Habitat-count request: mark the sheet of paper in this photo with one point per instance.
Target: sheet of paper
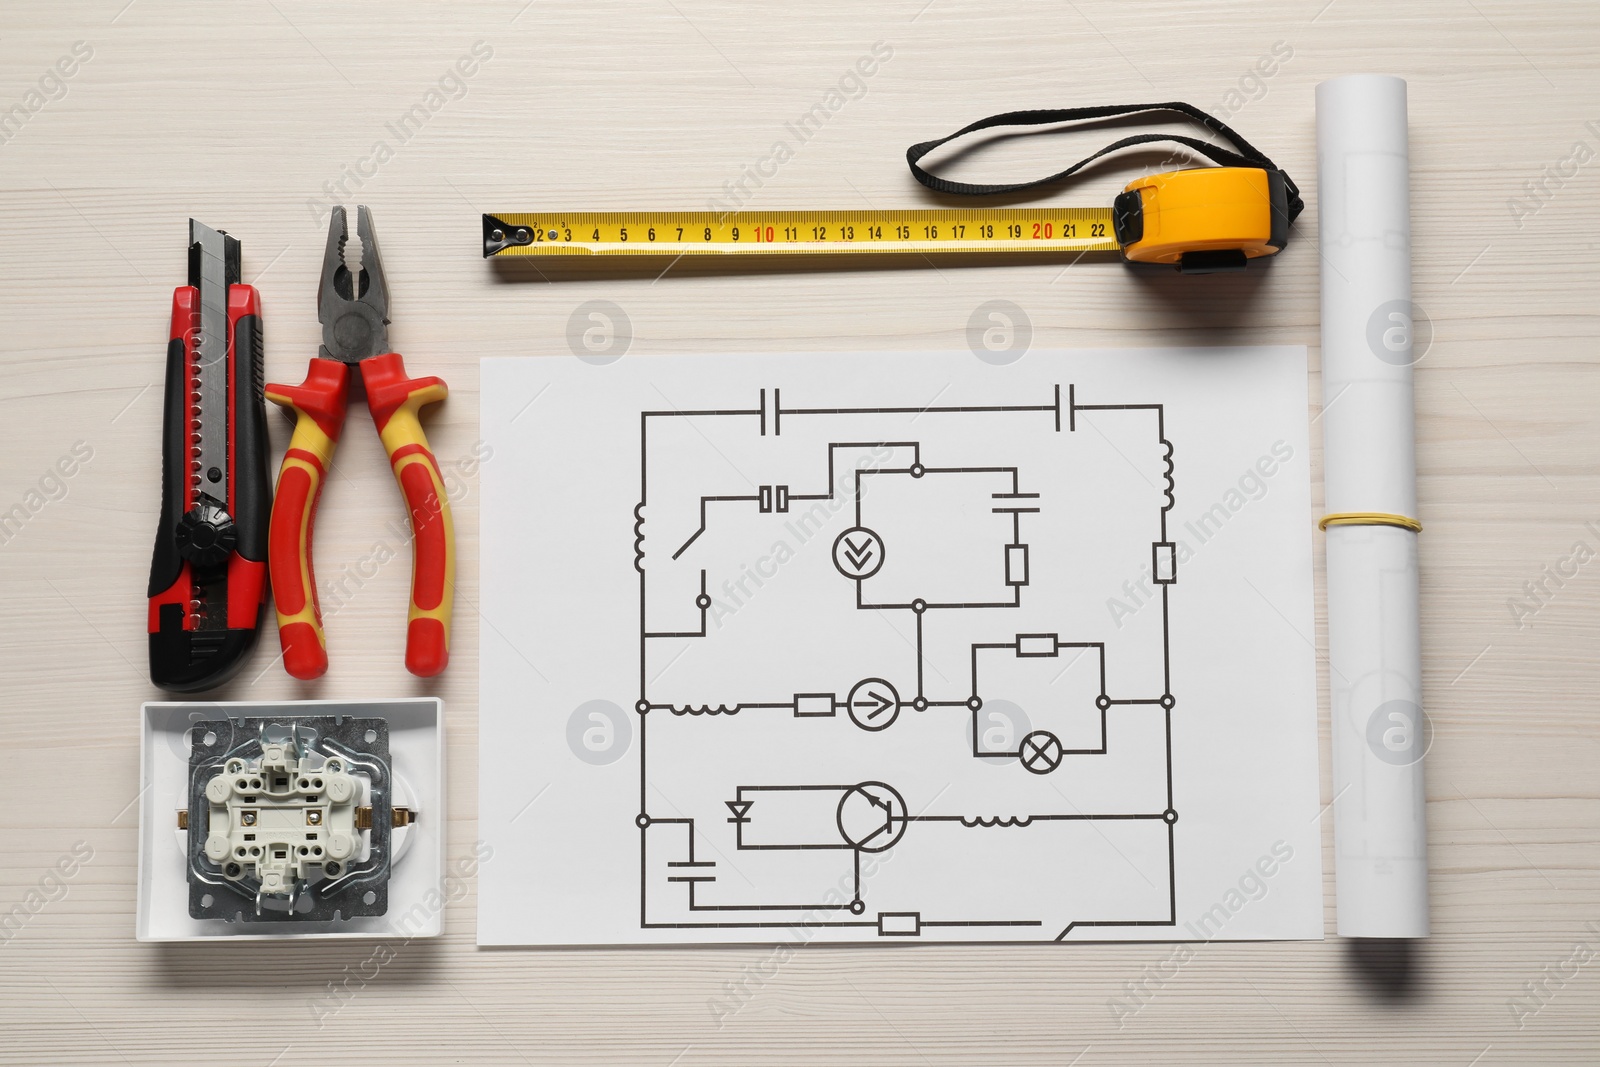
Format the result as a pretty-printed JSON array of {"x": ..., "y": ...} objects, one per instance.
[{"x": 882, "y": 648}]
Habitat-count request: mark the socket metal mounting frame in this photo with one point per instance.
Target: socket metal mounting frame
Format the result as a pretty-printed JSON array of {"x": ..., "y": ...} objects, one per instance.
[{"x": 361, "y": 887}]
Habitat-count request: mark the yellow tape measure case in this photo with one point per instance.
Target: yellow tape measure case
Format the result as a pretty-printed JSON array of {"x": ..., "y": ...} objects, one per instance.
[{"x": 1203, "y": 220}]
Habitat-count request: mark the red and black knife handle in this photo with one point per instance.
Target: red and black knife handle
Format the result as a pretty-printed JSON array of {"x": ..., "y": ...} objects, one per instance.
[{"x": 184, "y": 657}]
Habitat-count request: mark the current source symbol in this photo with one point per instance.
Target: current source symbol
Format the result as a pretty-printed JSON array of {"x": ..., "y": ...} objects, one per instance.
[{"x": 874, "y": 704}]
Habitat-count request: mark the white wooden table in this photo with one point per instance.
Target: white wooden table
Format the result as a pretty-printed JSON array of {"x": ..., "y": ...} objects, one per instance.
[{"x": 249, "y": 115}]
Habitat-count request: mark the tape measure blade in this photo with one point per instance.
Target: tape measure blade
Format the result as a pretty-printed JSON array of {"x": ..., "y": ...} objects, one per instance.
[{"x": 922, "y": 230}]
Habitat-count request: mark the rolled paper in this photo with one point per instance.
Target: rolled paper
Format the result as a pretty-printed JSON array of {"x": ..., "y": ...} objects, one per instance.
[{"x": 1380, "y": 734}]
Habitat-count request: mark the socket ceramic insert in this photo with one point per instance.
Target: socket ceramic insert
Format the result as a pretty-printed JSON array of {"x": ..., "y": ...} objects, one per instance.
[{"x": 281, "y": 817}]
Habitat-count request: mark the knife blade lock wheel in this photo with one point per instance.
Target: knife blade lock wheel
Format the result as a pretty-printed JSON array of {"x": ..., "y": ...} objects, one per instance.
[
  {"x": 207, "y": 585},
  {"x": 354, "y": 311}
]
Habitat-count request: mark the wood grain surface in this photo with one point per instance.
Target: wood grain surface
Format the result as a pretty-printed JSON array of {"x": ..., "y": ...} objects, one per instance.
[{"x": 249, "y": 115}]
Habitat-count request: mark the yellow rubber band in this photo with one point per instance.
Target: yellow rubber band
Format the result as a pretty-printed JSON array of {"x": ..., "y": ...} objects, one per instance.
[{"x": 1369, "y": 518}]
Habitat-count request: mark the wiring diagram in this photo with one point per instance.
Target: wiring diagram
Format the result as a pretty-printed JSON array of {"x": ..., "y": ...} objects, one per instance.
[{"x": 879, "y": 689}]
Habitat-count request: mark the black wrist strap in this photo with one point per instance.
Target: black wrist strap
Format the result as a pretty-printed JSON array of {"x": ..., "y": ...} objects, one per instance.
[{"x": 1247, "y": 155}]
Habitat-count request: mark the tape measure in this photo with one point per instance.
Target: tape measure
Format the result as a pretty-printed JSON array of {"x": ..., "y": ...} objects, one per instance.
[
  {"x": 1201, "y": 220},
  {"x": 1198, "y": 218}
]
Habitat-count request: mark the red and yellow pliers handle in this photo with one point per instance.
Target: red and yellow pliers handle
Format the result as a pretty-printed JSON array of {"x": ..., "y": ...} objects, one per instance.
[{"x": 319, "y": 406}]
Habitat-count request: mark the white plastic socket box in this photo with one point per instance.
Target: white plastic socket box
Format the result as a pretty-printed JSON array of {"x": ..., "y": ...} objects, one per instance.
[{"x": 416, "y": 880}]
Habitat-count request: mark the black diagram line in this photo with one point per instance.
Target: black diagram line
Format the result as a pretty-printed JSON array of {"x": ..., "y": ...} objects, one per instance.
[{"x": 702, "y": 527}]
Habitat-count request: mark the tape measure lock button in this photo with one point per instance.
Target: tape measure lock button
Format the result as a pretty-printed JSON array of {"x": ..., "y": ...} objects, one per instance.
[{"x": 1127, "y": 217}]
